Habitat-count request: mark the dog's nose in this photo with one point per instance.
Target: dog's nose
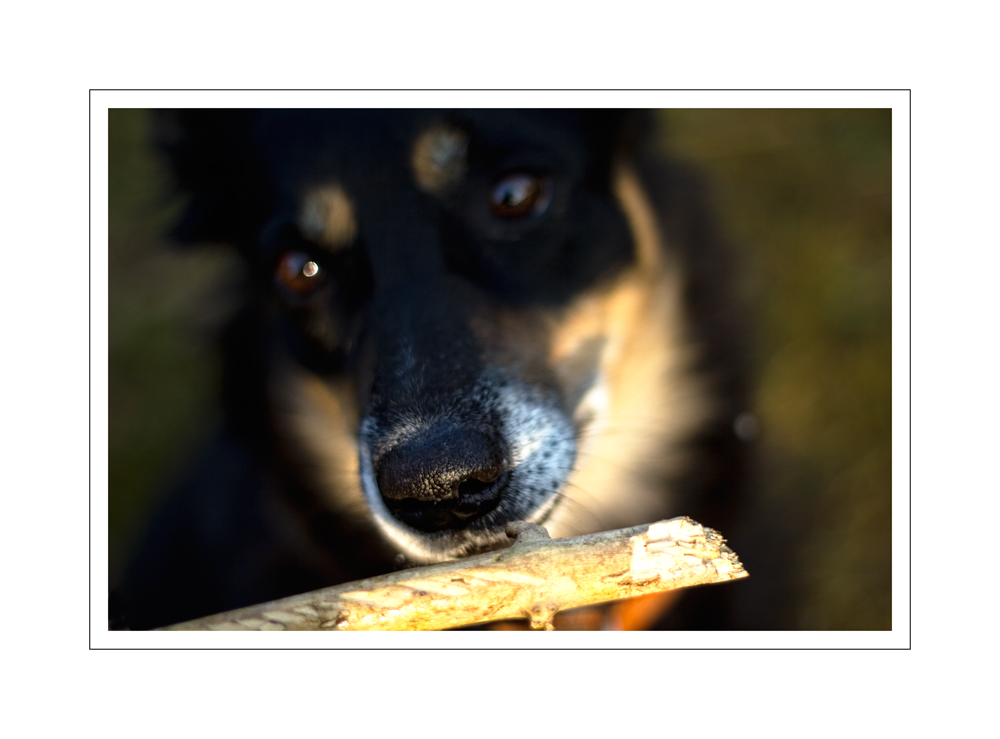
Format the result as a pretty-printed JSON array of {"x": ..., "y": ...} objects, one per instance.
[{"x": 442, "y": 478}]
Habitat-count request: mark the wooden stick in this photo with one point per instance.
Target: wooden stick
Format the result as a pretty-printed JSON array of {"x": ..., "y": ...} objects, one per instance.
[{"x": 534, "y": 578}]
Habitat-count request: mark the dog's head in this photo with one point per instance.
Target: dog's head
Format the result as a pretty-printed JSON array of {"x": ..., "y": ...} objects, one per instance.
[{"x": 474, "y": 320}]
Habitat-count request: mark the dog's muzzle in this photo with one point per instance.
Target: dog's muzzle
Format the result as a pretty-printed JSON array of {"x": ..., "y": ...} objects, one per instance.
[{"x": 446, "y": 486}]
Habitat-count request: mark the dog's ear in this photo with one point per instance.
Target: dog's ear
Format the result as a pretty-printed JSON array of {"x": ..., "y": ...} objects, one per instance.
[{"x": 215, "y": 165}]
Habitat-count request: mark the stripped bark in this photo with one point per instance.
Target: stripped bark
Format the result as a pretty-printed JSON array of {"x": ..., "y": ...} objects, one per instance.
[{"x": 533, "y": 579}]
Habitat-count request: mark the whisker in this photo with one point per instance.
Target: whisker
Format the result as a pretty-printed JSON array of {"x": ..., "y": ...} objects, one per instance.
[{"x": 579, "y": 508}]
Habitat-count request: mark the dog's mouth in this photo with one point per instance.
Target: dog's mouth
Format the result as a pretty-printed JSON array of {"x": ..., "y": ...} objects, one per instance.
[{"x": 442, "y": 488}]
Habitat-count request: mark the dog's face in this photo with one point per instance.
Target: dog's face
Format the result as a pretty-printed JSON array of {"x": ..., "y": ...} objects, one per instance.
[{"x": 475, "y": 320}]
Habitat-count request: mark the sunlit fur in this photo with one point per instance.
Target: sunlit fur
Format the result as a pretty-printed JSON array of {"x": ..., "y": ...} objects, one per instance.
[{"x": 646, "y": 398}]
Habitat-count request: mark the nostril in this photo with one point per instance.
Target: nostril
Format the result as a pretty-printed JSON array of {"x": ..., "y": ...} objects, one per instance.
[{"x": 473, "y": 486}]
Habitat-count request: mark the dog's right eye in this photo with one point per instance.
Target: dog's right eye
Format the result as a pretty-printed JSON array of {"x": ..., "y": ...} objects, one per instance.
[
  {"x": 297, "y": 272},
  {"x": 519, "y": 194}
]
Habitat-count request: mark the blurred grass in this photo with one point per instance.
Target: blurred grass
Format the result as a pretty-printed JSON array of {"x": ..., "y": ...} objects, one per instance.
[
  {"x": 161, "y": 316},
  {"x": 806, "y": 193}
]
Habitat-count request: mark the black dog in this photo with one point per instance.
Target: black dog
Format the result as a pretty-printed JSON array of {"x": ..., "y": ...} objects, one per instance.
[{"x": 452, "y": 320}]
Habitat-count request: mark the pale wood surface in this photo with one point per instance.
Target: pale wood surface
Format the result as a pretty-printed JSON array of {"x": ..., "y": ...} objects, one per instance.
[{"x": 534, "y": 578}]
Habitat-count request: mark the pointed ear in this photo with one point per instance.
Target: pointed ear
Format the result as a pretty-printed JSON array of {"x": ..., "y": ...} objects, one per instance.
[{"x": 213, "y": 160}]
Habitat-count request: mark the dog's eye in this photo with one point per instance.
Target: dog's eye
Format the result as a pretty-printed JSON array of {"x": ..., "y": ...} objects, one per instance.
[
  {"x": 298, "y": 273},
  {"x": 518, "y": 195}
]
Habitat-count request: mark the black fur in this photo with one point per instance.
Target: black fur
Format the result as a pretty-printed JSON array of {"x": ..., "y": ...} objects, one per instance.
[{"x": 248, "y": 522}]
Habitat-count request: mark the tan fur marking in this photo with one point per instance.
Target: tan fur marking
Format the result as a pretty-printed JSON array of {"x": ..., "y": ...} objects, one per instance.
[
  {"x": 438, "y": 157},
  {"x": 647, "y": 397},
  {"x": 641, "y": 216},
  {"x": 319, "y": 418},
  {"x": 327, "y": 217}
]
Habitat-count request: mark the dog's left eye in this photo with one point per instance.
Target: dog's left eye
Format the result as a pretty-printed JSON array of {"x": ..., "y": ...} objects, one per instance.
[
  {"x": 297, "y": 272},
  {"x": 519, "y": 194}
]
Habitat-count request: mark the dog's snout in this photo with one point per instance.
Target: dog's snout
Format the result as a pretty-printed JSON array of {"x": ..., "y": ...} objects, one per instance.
[{"x": 443, "y": 477}]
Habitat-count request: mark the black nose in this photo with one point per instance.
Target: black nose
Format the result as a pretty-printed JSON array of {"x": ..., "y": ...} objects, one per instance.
[{"x": 444, "y": 478}]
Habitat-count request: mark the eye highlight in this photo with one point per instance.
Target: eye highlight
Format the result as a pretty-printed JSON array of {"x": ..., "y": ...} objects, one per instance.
[
  {"x": 519, "y": 194},
  {"x": 297, "y": 272}
]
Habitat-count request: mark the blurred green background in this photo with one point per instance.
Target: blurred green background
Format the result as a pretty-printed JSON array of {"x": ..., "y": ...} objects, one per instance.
[{"x": 806, "y": 196}]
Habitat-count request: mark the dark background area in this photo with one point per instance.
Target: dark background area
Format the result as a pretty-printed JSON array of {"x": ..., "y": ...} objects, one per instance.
[{"x": 806, "y": 197}]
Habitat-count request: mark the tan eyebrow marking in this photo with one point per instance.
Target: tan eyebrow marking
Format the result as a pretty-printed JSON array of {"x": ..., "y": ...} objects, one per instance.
[
  {"x": 327, "y": 217},
  {"x": 438, "y": 157}
]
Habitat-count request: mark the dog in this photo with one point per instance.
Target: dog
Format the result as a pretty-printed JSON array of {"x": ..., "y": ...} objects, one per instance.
[{"x": 450, "y": 320}]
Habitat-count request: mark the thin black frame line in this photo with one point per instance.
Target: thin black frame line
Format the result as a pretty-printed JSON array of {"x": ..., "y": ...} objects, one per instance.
[
  {"x": 502, "y": 89},
  {"x": 909, "y": 347},
  {"x": 90, "y": 368}
]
